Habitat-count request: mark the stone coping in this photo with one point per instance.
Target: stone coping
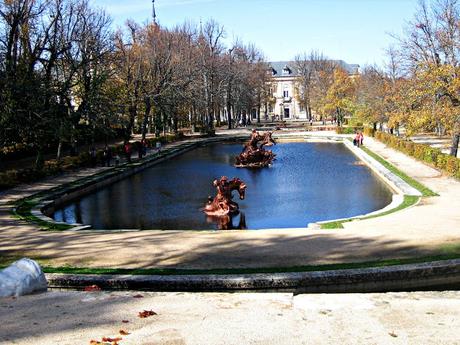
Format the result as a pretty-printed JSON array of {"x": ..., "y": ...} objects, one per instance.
[
  {"x": 393, "y": 180},
  {"x": 430, "y": 275},
  {"x": 54, "y": 199}
]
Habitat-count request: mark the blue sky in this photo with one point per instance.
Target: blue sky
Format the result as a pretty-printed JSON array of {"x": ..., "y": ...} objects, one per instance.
[{"x": 356, "y": 31}]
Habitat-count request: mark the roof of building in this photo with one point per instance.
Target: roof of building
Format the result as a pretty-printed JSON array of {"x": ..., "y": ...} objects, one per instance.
[{"x": 278, "y": 67}]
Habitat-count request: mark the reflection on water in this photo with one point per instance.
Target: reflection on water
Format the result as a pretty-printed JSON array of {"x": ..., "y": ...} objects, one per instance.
[
  {"x": 229, "y": 222},
  {"x": 308, "y": 182}
]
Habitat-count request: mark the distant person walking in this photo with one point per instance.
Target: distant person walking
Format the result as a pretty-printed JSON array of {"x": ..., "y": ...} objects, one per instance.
[
  {"x": 128, "y": 151},
  {"x": 356, "y": 140},
  {"x": 92, "y": 156},
  {"x": 107, "y": 155}
]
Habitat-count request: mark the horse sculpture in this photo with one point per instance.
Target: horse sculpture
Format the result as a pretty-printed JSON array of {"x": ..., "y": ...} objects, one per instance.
[
  {"x": 226, "y": 222},
  {"x": 222, "y": 204},
  {"x": 254, "y": 154}
]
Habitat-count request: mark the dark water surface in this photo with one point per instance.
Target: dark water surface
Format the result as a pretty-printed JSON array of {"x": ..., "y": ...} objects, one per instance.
[{"x": 308, "y": 182}]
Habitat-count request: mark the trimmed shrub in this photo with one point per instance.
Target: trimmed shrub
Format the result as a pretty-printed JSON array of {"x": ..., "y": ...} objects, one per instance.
[
  {"x": 8, "y": 179},
  {"x": 370, "y": 132},
  {"x": 52, "y": 167},
  {"x": 419, "y": 151},
  {"x": 407, "y": 147},
  {"x": 431, "y": 154},
  {"x": 347, "y": 130},
  {"x": 422, "y": 152},
  {"x": 452, "y": 165}
]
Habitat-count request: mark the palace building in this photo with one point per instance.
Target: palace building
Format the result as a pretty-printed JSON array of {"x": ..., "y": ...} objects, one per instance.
[{"x": 284, "y": 105}]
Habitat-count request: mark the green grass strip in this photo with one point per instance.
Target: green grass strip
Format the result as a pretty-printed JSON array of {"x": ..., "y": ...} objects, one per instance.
[
  {"x": 450, "y": 255},
  {"x": 408, "y": 201},
  {"x": 23, "y": 211},
  {"x": 409, "y": 180}
]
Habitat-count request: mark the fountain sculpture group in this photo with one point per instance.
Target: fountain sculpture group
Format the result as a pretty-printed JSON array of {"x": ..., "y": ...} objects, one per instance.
[
  {"x": 254, "y": 155},
  {"x": 222, "y": 204}
]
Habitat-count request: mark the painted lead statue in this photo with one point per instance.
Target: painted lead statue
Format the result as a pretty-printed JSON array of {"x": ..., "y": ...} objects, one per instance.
[
  {"x": 254, "y": 154},
  {"x": 222, "y": 204}
]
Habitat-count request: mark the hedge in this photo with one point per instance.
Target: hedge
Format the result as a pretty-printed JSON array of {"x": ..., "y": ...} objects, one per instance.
[
  {"x": 348, "y": 130},
  {"x": 11, "y": 178},
  {"x": 422, "y": 152}
]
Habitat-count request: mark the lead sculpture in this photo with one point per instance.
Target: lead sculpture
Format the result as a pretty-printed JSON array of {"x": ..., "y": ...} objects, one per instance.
[{"x": 254, "y": 154}]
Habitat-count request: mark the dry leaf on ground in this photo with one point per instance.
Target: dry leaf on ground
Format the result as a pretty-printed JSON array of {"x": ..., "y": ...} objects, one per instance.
[
  {"x": 91, "y": 288},
  {"x": 146, "y": 313}
]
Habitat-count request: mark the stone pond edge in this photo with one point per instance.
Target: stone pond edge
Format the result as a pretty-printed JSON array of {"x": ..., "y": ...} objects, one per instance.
[
  {"x": 49, "y": 202},
  {"x": 422, "y": 276}
]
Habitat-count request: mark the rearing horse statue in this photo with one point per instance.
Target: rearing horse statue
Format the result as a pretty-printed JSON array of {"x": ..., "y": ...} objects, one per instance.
[
  {"x": 254, "y": 154},
  {"x": 222, "y": 204}
]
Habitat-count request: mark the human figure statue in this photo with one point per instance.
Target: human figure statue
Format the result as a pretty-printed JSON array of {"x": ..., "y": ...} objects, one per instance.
[{"x": 222, "y": 204}]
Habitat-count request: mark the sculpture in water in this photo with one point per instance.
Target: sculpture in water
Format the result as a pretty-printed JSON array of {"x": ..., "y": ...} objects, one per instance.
[
  {"x": 254, "y": 154},
  {"x": 222, "y": 204},
  {"x": 229, "y": 222}
]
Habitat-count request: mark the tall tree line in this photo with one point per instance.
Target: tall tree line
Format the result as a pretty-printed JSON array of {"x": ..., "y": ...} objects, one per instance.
[
  {"x": 66, "y": 77},
  {"x": 418, "y": 89}
]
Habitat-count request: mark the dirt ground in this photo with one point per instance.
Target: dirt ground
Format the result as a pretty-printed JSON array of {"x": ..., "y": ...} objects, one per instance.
[{"x": 70, "y": 318}]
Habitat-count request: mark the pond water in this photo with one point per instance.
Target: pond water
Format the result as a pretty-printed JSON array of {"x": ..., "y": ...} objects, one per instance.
[{"x": 308, "y": 182}]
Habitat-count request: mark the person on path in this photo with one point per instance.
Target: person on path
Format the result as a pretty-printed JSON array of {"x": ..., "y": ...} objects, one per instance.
[
  {"x": 356, "y": 139},
  {"x": 128, "y": 151},
  {"x": 92, "y": 155},
  {"x": 107, "y": 155}
]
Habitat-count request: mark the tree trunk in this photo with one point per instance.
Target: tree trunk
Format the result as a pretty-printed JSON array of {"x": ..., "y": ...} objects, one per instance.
[
  {"x": 59, "y": 151},
  {"x": 229, "y": 116},
  {"x": 39, "y": 161},
  {"x": 148, "y": 106},
  {"x": 132, "y": 116},
  {"x": 258, "y": 113},
  {"x": 455, "y": 142}
]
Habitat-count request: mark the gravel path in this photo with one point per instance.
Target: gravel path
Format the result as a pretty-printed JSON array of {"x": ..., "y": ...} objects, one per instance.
[{"x": 70, "y": 318}]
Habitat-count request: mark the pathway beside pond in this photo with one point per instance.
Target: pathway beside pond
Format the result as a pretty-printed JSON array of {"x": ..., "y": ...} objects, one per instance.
[
  {"x": 70, "y": 317},
  {"x": 416, "y": 231}
]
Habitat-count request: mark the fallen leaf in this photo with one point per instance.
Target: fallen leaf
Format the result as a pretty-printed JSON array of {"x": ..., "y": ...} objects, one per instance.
[
  {"x": 125, "y": 321},
  {"x": 393, "y": 334},
  {"x": 92, "y": 288},
  {"x": 111, "y": 340},
  {"x": 103, "y": 342},
  {"x": 146, "y": 313},
  {"x": 138, "y": 296},
  {"x": 123, "y": 332}
]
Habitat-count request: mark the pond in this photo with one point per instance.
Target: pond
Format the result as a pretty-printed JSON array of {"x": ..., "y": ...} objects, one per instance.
[{"x": 308, "y": 182}]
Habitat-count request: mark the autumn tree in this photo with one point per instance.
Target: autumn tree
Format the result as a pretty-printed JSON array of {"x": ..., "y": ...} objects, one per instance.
[
  {"x": 431, "y": 51},
  {"x": 340, "y": 97}
]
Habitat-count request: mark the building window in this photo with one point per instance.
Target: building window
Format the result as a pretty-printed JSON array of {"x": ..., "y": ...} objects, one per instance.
[
  {"x": 286, "y": 70},
  {"x": 285, "y": 93},
  {"x": 301, "y": 108},
  {"x": 270, "y": 108}
]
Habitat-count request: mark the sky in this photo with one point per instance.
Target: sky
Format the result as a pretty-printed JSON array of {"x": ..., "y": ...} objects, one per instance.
[{"x": 356, "y": 31}]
